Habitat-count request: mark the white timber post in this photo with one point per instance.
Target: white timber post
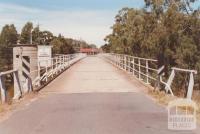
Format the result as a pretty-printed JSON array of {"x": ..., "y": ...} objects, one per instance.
[
  {"x": 169, "y": 82},
  {"x": 39, "y": 70},
  {"x": 52, "y": 68},
  {"x": 29, "y": 84},
  {"x": 139, "y": 66},
  {"x": 147, "y": 71},
  {"x": 3, "y": 90},
  {"x": 124, "y": 62},
  {"x": 118, "y": 60},
  {"x": 56, "y": 65},
  {"x": 60, "y": 63},
  {"x": 133, "y": 66},
  {"x": 46, "y": 69},
  {"x": 17, "y": 91},
  {"x": 190, "y": 87},
  {"x": 130, "y": 64},
  {"x": 63, "y": 60},
  {"x": 52, "y": 63}
]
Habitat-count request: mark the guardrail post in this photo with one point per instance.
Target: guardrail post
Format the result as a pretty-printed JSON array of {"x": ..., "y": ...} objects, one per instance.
[
  {"x": 139, "y": 66},
  {"x": 133, "y": 66},
  {"x": 29, "y": 84},
  {"x": 39, "y": 69},
  {"x": 60, "y": 63},
  {"x": 118, "y": 60},
  {"x": 3, "y": 90},
  {"x": 116, "y": 63},
  {"x": 67, "y": 61},
  {"x": 124, "y": 63},
  {"x": 56, "y": 65},
  {"x": 129, "y": 65},
  {"x": 63, "y": 61},
  {"x": 52, "y": 64},
  {"x": 18, "y": 90},
  {"x": 46, "y": 70},
  {"x": 147, "y": 71},
  {"x": 169, "y": 82},
  {"x": 190, "y": 86}
]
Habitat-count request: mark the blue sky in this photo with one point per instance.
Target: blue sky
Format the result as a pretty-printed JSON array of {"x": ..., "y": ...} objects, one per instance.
[
  {"x": 76, "y": 4},
  {"x": 89, "y": 20}
]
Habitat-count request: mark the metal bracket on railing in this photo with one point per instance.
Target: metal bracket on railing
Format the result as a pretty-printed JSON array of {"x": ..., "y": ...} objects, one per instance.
[
  {"x": 3, "y": 89},
  {"x": 128, "y": 63},
  {"x": 169, "y": 82},
  {"x": 141, "y": 70},
  {"x": 58, "y": 64},
  {"x": 17, "y": 93},
  {"x": 191, "y": 81}
]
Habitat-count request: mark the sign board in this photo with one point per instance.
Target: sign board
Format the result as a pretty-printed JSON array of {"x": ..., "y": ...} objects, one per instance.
[{"x": 44, "y": 56}]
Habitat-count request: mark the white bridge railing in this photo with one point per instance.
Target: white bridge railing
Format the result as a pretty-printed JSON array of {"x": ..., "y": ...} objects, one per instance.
[
  {"x": 147, "y": 70},
  {"x": 47, "y": 73}
]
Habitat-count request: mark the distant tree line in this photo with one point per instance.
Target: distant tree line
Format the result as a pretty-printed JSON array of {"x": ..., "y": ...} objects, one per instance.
[
  {"x": 10, "y": 37},
  {"x": 167, "y": 30}
]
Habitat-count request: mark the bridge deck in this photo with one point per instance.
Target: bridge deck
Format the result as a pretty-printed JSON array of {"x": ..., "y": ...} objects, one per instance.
[{"x": 92, "y": 97}]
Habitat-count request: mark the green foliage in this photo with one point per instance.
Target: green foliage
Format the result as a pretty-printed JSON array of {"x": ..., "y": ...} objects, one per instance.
[
  {"x": 8, "y": 35},
  {"x": 168, "y": 30},
  {"x": 26, "y": 32},
  {"x": 8, "y": 38},
  {"x": 62, "y": 45}
]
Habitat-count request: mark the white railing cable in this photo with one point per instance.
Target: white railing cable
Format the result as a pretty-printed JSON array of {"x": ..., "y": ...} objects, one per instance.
[
  {"x": 141, "y": 69},
  {"x": 58, "y": 64}
]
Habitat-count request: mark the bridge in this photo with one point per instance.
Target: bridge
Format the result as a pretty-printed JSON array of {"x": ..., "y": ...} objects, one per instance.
[{"x": 105, "y": 94}]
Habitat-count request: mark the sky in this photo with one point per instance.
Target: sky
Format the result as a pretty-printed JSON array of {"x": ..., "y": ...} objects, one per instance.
[{"x": 88, "y": 20}]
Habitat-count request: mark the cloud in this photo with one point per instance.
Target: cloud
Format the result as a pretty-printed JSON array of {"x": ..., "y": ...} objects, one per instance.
[
  {"x": 12, "y": 7},
  {"x": 89, "y": 25}
]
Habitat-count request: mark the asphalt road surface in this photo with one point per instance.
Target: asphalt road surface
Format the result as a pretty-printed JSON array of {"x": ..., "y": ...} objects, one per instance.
[{"x": 92, "y": 97}]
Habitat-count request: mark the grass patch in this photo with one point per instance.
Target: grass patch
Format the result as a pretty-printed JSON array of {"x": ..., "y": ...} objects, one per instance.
[
  {"x": 162, "y": 98},
  {"x": 196, "y": 98}
]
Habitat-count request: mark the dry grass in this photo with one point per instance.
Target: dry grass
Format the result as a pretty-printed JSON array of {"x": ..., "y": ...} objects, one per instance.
[
  {"x": 7, "y": 109},
  {"x": 196, "y": 98},
  {"x": 162, "y": 98}
]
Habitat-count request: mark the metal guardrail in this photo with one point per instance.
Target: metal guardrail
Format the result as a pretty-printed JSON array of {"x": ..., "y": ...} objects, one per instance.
[
  {"x": 2, "y": 83},
  {"x": 45, "y": 74},
  {"x": 58, "y": 64},
  {"x": 146, "y": 70},
  {"x": 172, "y": 76},
  {"x": 143, "y": 69}
]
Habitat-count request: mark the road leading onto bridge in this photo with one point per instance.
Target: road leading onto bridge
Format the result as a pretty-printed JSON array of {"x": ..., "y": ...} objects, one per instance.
[{"x": 92, "y": 97}]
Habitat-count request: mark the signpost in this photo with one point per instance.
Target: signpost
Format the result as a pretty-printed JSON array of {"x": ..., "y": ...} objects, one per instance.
[{"x": 44, "y": 55}]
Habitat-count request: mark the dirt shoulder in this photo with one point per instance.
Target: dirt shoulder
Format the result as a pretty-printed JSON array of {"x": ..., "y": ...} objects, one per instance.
[
  {"x": 6, "y": 110},
  {"x": 163, "y": 99}
]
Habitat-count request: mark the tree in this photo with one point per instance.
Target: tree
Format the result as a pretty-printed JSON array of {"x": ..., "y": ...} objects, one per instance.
[
  {"x": 46, "y": 37},
  {"x": 36, "y": 35},
  {"x": 8, "y": 38},
  {"x": 56, "y": 43},
  {"x": 168, "y": 30},
  {"x": 61, "y": 46},
  {"x": 26, "y": 33}
]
